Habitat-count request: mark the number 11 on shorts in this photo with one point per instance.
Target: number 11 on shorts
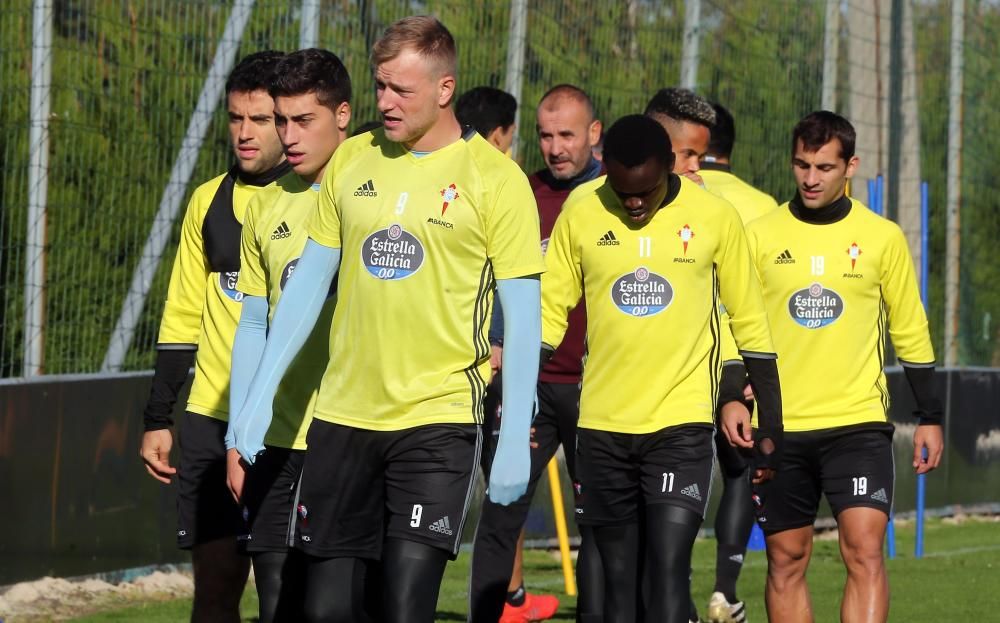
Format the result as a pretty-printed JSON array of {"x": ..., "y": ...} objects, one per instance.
[{"x": 668, "y": 482}]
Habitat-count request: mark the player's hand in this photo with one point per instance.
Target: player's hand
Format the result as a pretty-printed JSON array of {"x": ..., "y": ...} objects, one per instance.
[
  {"x": 748, "y": 392},
  {"x": 496, "y": 360},
  {"x": 236, "y": 473},
  {"x": 762, "y": 475},
  {"x": 927, "y": 437},
  {"x": 533, "y": 444},
  {"x": 155, "y": 453},
  {"x": 510, "y": 472},
  {"x": 734, "y": 419}
]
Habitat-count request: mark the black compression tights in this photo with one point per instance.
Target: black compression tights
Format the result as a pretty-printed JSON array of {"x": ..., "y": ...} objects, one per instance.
[
  {"x": 411, "y": 580},
  {"x": 335, "y": 590},
  {"x": 669, "y": 534},
  {"x": 280, "y": 580},
  {"x": 589, "y": 579},
  {"x": 343, "y": 589},
  {"x": 734, "y": 520}
]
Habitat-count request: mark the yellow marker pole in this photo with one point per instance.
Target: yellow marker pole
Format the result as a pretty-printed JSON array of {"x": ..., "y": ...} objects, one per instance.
[{"x": 560, "y": 516}]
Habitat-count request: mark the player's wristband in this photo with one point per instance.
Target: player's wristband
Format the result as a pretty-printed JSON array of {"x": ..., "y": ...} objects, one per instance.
[
  {"x": 765, "y": 439},
  {"x": 763, "y": 374},
  {"x": 734, "y": 379},
  {"x": 169, "y": 375},
  {"x": 921, "y": 381}
]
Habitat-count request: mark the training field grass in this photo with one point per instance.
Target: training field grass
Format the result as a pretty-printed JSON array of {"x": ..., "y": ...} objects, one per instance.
[{"x": 958, "y": 579}]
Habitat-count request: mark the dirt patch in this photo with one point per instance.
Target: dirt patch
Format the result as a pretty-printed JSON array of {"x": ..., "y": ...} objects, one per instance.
[{"x": 57, "y": 599}]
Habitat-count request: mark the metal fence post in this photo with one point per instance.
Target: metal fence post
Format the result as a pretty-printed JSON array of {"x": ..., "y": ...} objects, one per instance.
[
  {"x": 831, "y": 53},
  {"x": 692, "y": 43},
  {"x": 953, "y": 235},
  {"x": 515, "y": 61},
  {"x": 309, "y": 24},
  {"x": 38, "y": 187}
]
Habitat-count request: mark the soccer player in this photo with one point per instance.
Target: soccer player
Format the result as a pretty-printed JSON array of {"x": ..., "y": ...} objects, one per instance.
[
  {"x": 734, "y": 518},
  {"x": 423, "y": 221},
  {"x": 312, "y": 93},
  {"x": 688, "y": 119},
  {"x": 645, "y": 439},
  {"x": 834, "y": 275},
  {"x": 567, "y": 131},
  {"x": 198, "y": 325},
  {"x": 491, "y": 112}
]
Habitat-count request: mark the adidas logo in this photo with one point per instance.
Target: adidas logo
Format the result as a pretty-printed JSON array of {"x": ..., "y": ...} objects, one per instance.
[
  {"x": 366, "y": 190},
  {"x": 442, "y": 525},
  {"x": 785, "y": 258},
  {"x": 880, "y": 496},
  {"x": 737, "y": 558},
  {"x": 692, "y": 491},
  {"x": 281, "y": 232},
  {"x": 608, "y": 240}
]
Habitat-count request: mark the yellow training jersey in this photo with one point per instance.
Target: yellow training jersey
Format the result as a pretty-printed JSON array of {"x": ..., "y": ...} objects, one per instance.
[
  {"x": 274, "y": 235},
  {"x": 830, "y": 289},
  {"x": 653, "y": 293},
  {"x": 748, "y": 201},
  {"x": 422, "y": 239},
  {"x": 203, "y": 306}
]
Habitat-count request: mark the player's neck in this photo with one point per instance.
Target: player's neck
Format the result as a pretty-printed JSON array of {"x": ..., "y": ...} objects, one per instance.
[
  {"x": 266, "y": 177},
  {"x": 444, "y": 132},
  {"x": 824, "y": 215}
]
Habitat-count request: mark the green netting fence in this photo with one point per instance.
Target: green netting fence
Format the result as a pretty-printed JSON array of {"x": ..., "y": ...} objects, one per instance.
[{"x": 126, "y": 76}]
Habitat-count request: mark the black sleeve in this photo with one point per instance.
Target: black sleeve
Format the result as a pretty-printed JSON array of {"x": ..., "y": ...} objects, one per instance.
[
  {"x": 734, "y": 379},
  {"x": 921, "y": 380},
  {"x": 763, "y": 375},
  {"x": 169, "y": 375}
]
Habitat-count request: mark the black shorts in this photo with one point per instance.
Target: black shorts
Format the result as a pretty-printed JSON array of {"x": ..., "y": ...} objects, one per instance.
[
  {"x": 206, "y": 510},
  {"x": 361, "y": 486},
  {"x": 852, "y": 465},
  {"x": 620, "y": 473},
  {"x": 269, "y": 494}
]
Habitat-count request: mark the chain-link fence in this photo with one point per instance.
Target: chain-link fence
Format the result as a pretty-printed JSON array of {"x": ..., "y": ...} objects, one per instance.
[{"x": 126, "y": 77}]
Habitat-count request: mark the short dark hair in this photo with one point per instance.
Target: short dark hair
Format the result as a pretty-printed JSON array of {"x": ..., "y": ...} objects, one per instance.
[
  {"x": 312, "y": 71},
  {"x": 682, "y": 105},
  {"x": 253, "y": 72},
  {"x": 723, "y": 133},
  {"x": 819, "y": 128},
  {"x": 634, "y": 139},
  {"x": 486, "y": 109},
  {"x": 573, "y": 92}
]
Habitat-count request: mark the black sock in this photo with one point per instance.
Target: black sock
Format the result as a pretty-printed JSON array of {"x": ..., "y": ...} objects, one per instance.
[
  {"x": 516, "y": 598},
  {"x": 728, "y": 563}
]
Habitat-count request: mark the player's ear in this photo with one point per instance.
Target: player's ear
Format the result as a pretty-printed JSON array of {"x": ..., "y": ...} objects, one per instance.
[
  {"x": 594, "y": 132},
  {"x": 343, "y": 115},
  {"x": 446, "y": 90},
  {"x": 852, "y": 166}
]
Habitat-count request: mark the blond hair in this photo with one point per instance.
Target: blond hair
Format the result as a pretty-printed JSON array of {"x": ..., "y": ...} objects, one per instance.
[{"x": 423, "y": 34}]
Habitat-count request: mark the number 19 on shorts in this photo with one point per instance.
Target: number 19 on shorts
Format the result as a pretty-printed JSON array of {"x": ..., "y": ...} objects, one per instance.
[{"x": 860, "y": 485}]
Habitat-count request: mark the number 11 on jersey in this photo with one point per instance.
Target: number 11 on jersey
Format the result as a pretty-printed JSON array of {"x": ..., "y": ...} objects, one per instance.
[{"x": 645, "y": 246}]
